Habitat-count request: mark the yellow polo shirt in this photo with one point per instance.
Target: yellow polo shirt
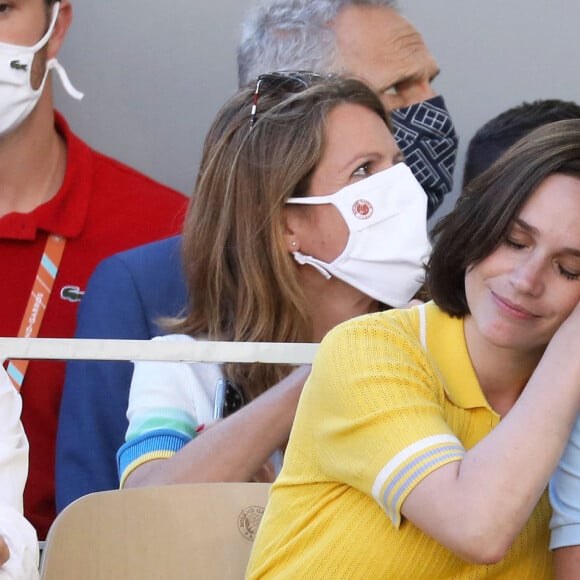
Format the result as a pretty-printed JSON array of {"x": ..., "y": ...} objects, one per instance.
[{"x": 391, "y": 398}]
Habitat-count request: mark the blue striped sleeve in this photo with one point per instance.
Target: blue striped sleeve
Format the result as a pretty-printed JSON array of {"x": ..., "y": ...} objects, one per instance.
[
  {"x": 159, "y": 444},
  {"x": 410, "y": 466}
]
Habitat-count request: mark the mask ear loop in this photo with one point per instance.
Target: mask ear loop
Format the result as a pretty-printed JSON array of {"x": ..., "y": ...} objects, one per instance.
[
  {"x": 53, "y": 63},
  {"x": 46, "y": 37},
  {"x": 308, "y": 260},
  {"x": 68, "y": 86}
]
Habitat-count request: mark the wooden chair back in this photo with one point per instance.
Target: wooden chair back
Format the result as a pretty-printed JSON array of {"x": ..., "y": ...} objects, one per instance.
[{"x": 203, "y": 530}]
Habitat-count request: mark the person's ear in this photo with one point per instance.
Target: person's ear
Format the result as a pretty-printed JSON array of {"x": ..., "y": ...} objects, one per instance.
[
  {"x": 291, "y": 228},
  {"x": 61, "y": 27}
]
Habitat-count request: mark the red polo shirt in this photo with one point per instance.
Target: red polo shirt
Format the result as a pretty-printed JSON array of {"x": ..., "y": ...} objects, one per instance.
[{"x": 103, "y": 207}]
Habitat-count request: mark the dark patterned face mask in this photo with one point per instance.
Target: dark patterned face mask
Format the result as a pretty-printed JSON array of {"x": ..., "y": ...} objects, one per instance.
[{"x": 426, "y": 135}]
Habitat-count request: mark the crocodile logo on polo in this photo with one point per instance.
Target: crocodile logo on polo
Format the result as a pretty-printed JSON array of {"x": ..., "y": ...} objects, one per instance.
[{"x": 71, "y": 293}]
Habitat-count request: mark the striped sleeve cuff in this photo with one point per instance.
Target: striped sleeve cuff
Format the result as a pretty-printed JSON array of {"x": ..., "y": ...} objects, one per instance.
[
  {"x": 410, "y": 466},
  {"x": 160, "y": 444}
]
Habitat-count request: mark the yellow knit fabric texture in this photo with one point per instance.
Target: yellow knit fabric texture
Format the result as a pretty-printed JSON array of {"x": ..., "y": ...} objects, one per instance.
[{"x": 376, "y": 416}]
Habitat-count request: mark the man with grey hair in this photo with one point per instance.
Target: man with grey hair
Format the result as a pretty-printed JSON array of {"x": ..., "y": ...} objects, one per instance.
[
  {"x": 369, "y": 40},
  {"x": 129, "y": 292}
]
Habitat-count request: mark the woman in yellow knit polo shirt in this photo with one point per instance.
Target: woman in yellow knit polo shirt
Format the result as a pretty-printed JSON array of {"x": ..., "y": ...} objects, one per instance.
[{"x": 425, "y": 438}]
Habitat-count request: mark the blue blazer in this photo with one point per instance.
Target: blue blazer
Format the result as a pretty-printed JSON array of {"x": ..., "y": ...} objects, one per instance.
[{"x": 125, "y": 296}]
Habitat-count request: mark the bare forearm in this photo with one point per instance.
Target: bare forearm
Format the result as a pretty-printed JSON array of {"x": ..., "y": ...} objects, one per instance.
[
  {"x": 500, "y": 480},
  {"x": 567, "y": 563},
  {"x": 235, "y": 448}
]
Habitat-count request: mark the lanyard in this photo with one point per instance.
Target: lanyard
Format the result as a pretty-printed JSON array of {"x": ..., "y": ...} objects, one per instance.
[{"x": 36, "y": 307}]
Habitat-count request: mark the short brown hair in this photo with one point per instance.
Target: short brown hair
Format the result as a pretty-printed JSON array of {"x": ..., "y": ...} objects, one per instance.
[{"x": 485, "y": 211}]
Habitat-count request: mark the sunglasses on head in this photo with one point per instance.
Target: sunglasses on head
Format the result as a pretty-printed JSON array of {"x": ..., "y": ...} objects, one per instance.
[{"x": 282, "y": 81}]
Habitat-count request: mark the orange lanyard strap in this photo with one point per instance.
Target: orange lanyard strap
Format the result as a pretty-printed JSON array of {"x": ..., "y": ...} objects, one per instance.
[{"x": 36, "y": 307}]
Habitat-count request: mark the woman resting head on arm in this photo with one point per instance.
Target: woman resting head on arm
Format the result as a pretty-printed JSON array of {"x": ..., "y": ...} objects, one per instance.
[
  {"x": 425, "y": 438},
  {"x": 302, "y": 216}
]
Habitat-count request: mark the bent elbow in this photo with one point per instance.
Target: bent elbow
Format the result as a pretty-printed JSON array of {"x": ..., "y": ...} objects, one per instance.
[
  {"x": 486, "y": 556},
  {"x": 485, "y": 550}
]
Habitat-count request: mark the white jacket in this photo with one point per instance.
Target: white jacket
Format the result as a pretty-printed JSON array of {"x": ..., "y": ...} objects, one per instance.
[{"x": 14, "y": 528}]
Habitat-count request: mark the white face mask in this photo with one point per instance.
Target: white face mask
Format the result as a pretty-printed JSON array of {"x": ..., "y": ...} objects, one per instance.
[
  {"x": 386, "y": 215},
  {"x": 17, "y": 97}
]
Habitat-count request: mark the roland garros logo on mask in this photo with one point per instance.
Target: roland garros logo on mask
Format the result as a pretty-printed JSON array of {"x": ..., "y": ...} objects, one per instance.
[{"x": 362, "y": 209}]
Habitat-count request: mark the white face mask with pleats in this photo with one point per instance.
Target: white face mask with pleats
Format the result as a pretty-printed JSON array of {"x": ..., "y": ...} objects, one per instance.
[
  {"x": 17, "y": 97},
  {"x": 386, "y": 215}
]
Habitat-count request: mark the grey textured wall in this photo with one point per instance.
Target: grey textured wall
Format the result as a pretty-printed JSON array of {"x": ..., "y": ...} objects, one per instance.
[{"x": 155, "y": 74}]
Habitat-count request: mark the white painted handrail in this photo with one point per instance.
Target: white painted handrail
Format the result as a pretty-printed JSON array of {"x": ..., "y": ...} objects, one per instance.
[{"x": 198, "y": 351}]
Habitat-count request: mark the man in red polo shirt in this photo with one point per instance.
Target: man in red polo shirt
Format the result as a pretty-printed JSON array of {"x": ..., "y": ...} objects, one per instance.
[{"x": 63, "y": 208}]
